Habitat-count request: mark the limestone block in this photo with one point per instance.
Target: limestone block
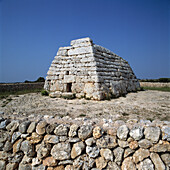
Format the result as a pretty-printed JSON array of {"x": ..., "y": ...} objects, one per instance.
[
  {"x": 80, "y": 41},
  {"x": 81, "y": 50},
  {"x": 69, "y": 79}
]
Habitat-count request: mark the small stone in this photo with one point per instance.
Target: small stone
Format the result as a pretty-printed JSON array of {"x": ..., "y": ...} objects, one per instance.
[
  {"x": 140, "y": 155},
  {"x": 122, "y": 132},
  {"x": 61, "y": 130},
  {"x": 146, "y": 165},
  {"x": 43, "y": 150},
  {"x": 106, "y": 154},
  {"x": 50, "y": 161},
  {"x": 61, "y": 151},
  {"x": 128, "y": 152},
  {"x": 133, "y": 145},
  {"x": 26, "y": 160},
  {"x": 73, "y": 130},
  {"x": 77, "y": 149},
  {"x": 39, "y": 167},
  {"x": 136, "y": 132},
  {"x": 101, "y": 163},
  {"x": 51, "y": 139},
  {"x": 3, "y": 124},
  {"x": 90, "y": 141},
  {"x": 92, "y": 152},
  {"x": 144, "y": 143},
  {"x": 7, "y": 146},
  {"x": 166, "y": 133},
  {"x": 65, "y": 162},
  {"x": 36, "y": 161},
  {"x": 27, "y": 148},
  {"x": 61, "y": 167},
  {"x": 97, "y": 132},
  {"x": 1, "y": 113},
  {"x": 4, "y": 155},
  {"x": 2, "y": 165},
  {"x": 113, "y": 166},
  {"x": 69, "y": 167},
  {"x": 35, "y": 138},
  {"x": 161, "y": 147},
  {"x": 40, "y": 128},
  {"x": 152, "y": 134},
  {"x": 112, "y": 131},
  {"x": 166, "y": 158},
  {"x": 4, "y": 136},
  {"x": 17, "y": 145},
  {"x": 23, "y": 126},
  {"x": 24, "y": 136},
  {"x": 11, "y": 166},
  {"x": 31, "y": 127},
  {"x": 15, "y": 136},
  {"x": 128, "y": 164},
  {"x": 25, "y": 167},
  {"x": 11, "y": 127},
  {"x": 50, "y": 128},
  {"x": 123, "y": 144},
  {"x": 85, "y": 131},
  {"x": 16, "y": 158},
  {"x": 157, "y": 161},
  {"x": 63, "y": 138},
  {"x": 118, "y": 153}
]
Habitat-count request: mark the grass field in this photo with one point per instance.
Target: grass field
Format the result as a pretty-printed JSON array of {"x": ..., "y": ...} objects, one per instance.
[{"x": 166, "y": 89}]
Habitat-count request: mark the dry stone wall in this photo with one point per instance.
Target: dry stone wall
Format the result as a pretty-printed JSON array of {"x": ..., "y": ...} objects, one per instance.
[
  {"x": 91, "y": 71},
  {"x": 41, "y": 146}
]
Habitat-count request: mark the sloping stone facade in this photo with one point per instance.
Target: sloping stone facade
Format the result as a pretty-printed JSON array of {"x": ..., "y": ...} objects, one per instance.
[{"x": 91, "y": 71}]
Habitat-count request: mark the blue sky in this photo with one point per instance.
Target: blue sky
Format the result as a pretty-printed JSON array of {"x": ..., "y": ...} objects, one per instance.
[{"x": 31, "y": 31}]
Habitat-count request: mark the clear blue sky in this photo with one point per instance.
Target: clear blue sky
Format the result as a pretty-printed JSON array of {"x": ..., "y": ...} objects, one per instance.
[{"x": 31, "y": 31}]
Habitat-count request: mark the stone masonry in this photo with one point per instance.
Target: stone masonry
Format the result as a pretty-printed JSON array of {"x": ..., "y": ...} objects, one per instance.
[{"x": 91, "y": 71}]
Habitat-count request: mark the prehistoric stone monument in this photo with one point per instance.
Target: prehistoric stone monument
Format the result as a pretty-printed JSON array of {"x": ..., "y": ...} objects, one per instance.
[{"x": 91, "y": 71}]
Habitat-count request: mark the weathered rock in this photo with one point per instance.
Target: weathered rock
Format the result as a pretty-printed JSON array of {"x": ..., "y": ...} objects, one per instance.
[
  {"x": 4, "y": 155},
  {"x": 133, "y": 145},
  {"x": 101, "y": 163},
  {"x": 26, "y": 160},
  {"x": 136, "y": 132},
  {"x": 90, "y": 141},
  {"x": 35, "y": 138},
  {"x": 152, "y": 134},
  {"x": 122, "y": 132},
  {"x": 69, "y": 167},
  {"x": 128, "y": 152},
  {"x": 7, "y": 146},
  {"x": 77, "y": 149},
  {"x": 73, "y": 130},
  {"x": 11, "y": 166},
  {"x": 61, "y": 151},
  {"x": 31, "y": 127},
  {"x": 165, "y": 133},
  {"x": 50, "y": 161},
  {"x": 25, "y": 167},
  {"x": 23, "y": 126},
  {"x": 161, "y": 147},
  {"x": 166, "y": 158},
  {"x": 118, "y": 153},
  {"x": 27, "y": 148},
  {"x": 43, "y": 150},
  {"x": 17, "y": 145},
  {"x": 3, "y": 124},
  {"x": 61, "y": 167},
  {"x": 112, "y": 131},
  {"x": 2, "y": 165},
  {"x": 63, "y": 138},
  {"x": 128, "y": 164},
  {"x": 65, "y": 162},
  {"x": 106, "y": 154},
  {"x": 93, "y": 152},
  {"x": 144, "y": 143},
  {"x": 157, "y": 161},
  {"x": 50, "y": 128},
  {"x": 15, "y": 136},
  {"x": 112, "y": 166},
  {"x": 51, "y": 139},
  {"x": 4, "y": 136},
  {"x": 61, "y": 130},
  {"x": 97, "y": 132},
  {"x": 140, "y": 155},
  {"x": 40, "y": 128},
  {"x": 85, "y": 131},
  {"x": 146, "y": 165},
  {"x": 11, "y": 127},
  {"x": 39, "y": 167},
  {"x": 107, "y": 142},
  {"x": 123, "y": 144},
  {"x": 36, "y": 161},
  {"x": 16, "y": 158},
  {"x": 74, "y": 140}
]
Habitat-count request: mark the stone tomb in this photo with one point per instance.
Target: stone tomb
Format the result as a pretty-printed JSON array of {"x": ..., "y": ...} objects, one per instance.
[{"x": 85, "y": 69}]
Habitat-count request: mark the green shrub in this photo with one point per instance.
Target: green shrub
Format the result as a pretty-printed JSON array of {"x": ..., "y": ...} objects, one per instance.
[{"x": 44, "y": 93}]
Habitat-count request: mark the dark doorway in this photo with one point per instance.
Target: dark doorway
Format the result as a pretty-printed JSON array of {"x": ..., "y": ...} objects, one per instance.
[{"x": 68, "y": 87}]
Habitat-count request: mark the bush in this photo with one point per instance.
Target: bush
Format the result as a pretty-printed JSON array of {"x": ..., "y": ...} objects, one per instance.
[
  {"x": 40, "y": 79},
  {"x": 44, "y": 93}
]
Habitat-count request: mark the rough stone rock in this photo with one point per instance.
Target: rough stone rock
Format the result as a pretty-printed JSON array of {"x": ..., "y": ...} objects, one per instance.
[
  {"x": 106, "y": 154},
  {"x": 122, "y": 132},
  {"x": 7, "y": 146},
  {"x": 25, "y": 167},
  {"x": 2, "y": 165},
  {"x": 11, "y": 166},
  {"x": 11, "y": 127},
  {"x": 112, "y": 166},
  {"x": 93, "y": 152},
  {"x": 1, "y": 146},
  {"x": 50, "y": 128},
  {"x": 97, "y": 132},
  {"x": 61, "y": 130},
  {"x": 73, "y": 130},
  {"x": 4, "y": 136},
  {"x": 63, "y": 138},
  {"x": 128, "y": 164},
  {"x": 112, "y": 131},
  {"x": 74, "y": 140},
  {"x": 145, "y": 165},
  {"x": 61, "y": 151},
  {"x": 36, "y": 161},
  {"x": 50, "y": 161},
  {"x": 27, "y": 148},
  {"x": 133, "y": 145},
  {"x": 69, "y": 167},
  {"x": 61, "y": 167},
  {"x": 165, "y": 133},
  {"x": 161, "y": 147},
  {"x": 123, "y": 144},
  {"x": 15, "y": 136},
  {"x": 140, "y": 155},
  {"x": 136, "y": 132},
  {"x": 85, "y": 131},
  {"x": 159, "y": 165},
  {"x": 65, "y": 162},
  {"x": 118, "y": 153},
  {"x": 128, "y": 152},
  {"x": 31, "y": 127},
  {"x": 101, "y": 163},
  {"x": 40, "y": 128},
  {"x": 145, "y": 144},
  {"x": 4, "y": 155},
  {"x": 152, "y": 134},
  {"x": 26, "y": 160},
  {"x": 51, "y": 139},
  {"x": 107, "y": 142},
  {"x": 39, "y": 167},
  {"x": 17, "y": 145},
  {"x": 77, "y": 149},
  {"x": 23, "y": 126},
  {"x": 43, "y": 150},
  {"x": 35, "y": 138},
  {"x": 3, "y": 124},
  {"x": 90, "y": 141},
  {"x": 166, "y": 158}
]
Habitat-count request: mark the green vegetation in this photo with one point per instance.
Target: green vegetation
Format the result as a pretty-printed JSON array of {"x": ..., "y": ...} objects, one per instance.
[
  {"x": 161, "y": 80},
  {"x": 166, "y": 89},
  {"x": 40, "y": 79},
  {"x": 69, "y": 97},
  {"x": 82, "y": 115},
  {"x": 44, "y": 93}
]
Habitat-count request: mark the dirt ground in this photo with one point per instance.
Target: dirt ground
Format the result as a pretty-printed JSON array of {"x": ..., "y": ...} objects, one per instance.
[{"x": 145, "y": 105}]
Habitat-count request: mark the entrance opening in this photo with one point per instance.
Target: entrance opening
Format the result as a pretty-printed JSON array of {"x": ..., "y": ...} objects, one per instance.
[{"x": 68, "y": 87}]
